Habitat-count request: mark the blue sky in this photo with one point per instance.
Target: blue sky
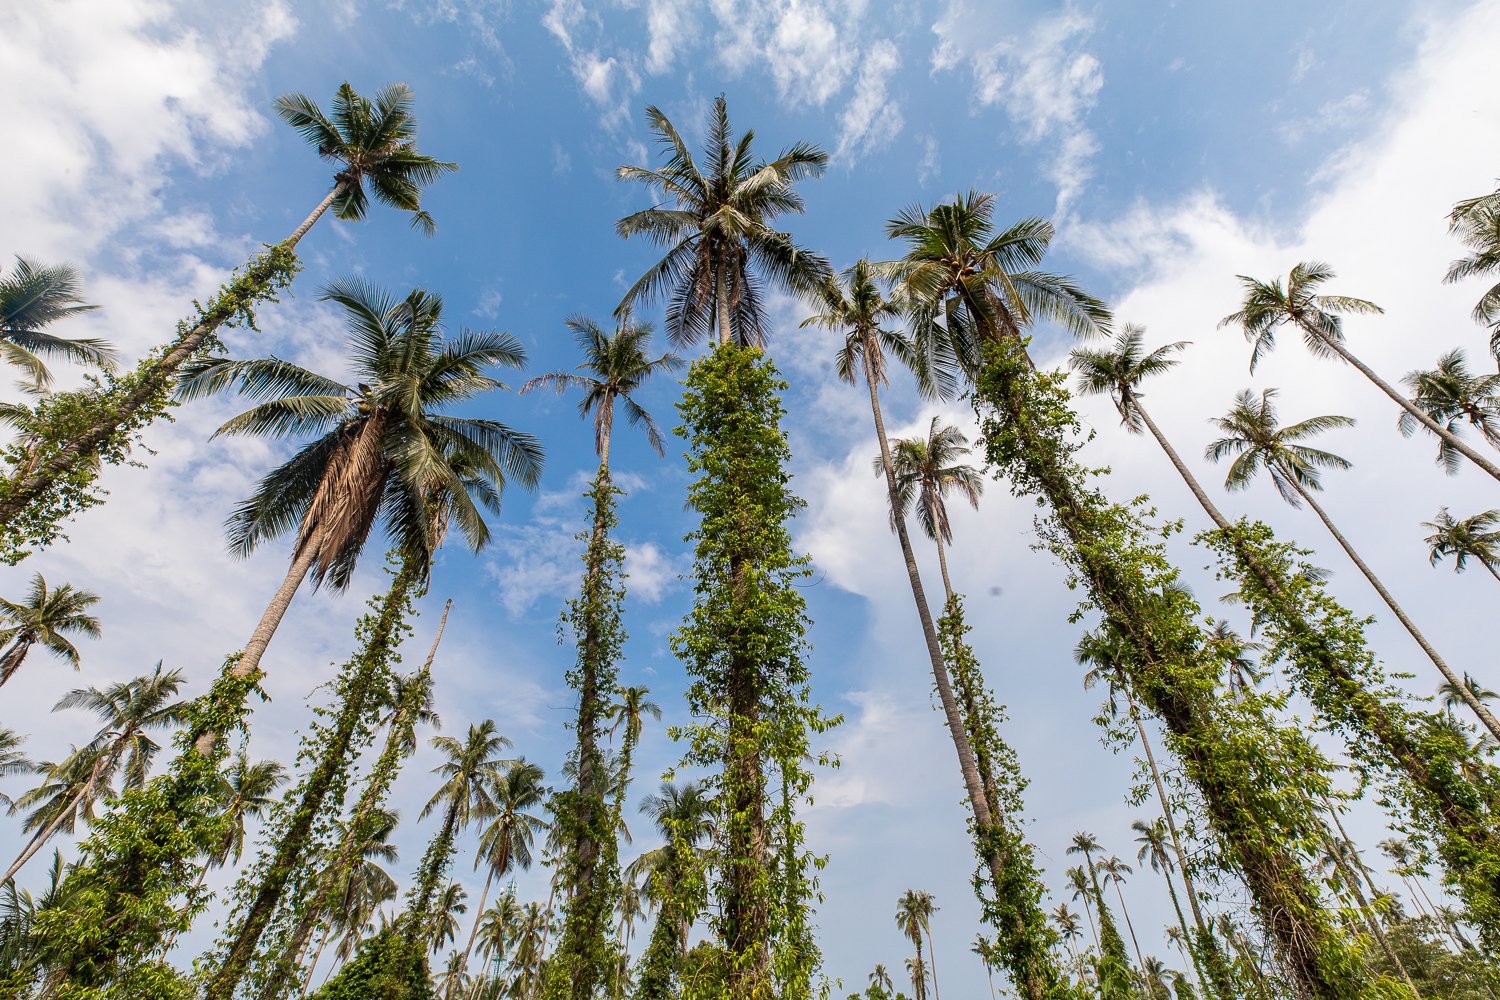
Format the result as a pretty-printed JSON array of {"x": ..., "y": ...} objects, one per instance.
[{"x": 1175, "y": 144}]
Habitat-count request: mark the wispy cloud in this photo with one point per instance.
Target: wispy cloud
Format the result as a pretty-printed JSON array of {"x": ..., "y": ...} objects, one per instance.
[{"x": 872, "y": 119}]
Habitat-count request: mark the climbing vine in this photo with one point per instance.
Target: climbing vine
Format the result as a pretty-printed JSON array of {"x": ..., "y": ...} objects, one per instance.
[
  {"x": 1258, "y": 778},
  {"x": 743, "y": 647},
  {"x": 54, "y": 464}
]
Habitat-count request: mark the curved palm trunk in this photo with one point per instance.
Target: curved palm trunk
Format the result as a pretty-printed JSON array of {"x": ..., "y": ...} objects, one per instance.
[
  {"x": 30, "y": 487},
  {"x": 382, "y": 775},
  {"x": 16, "y": 655},
  {"x": 101, "y": 767},
  {"x": 292, "y": 850},
  {"x": 1448, "y": 437},
  {"x": 1470, "y": 699}
]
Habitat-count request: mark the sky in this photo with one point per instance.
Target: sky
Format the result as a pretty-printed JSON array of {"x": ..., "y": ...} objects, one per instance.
[{"x": 1174, "y": 145}]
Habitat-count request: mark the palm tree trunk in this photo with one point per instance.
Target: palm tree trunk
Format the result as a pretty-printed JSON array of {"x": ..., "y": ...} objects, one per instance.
[
  {"x": 317, "y": 957},
  {"x": 463, "y": 963},
  {"x": 101, "y": 767},
  {"x": 721, "y": 307},
  {"x": 270, "y": 619},
  {"x": 1468, "y": 696},
  {"x": 972, "y": 783},
  {"x": 932, "y": 950},
  {"x": 1135, "y": 943},
  {"x": 1208, "y": 505},
  {"x": 1367, "y": 915},
  {"x": 1452, "y": 440},
  {"x": 29, "y": 487},
  {"x": 14, "y": 656},
  {"x": 943, "y": 566}
]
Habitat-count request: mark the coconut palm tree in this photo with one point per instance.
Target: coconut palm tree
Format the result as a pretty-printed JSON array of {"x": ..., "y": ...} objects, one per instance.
[
  {"x": 12, "y": 760},
  {"x": 498, "y": 925},
  {"x": 1476, "y": 222},
  {"x": 685, "y": 816},
  {"x": 916, "y": 968},
  {"x": 130, "y": 711},
  {"x": 32, "y": 297},
  {"x": 505, "y": 843},
  {"x": 1269, "y": 305},
  {"x": 926, "y": 470},
  {"x": 46, "y": 617},
  {"x": 442, "y": 922},
  {"x": 248, "y": 788},
  {"x": 1115, "y": 870},
  {"x": 630, "y": 711},
  {"x": 1254, "y": 438},
  {"x": 470, "y": 771},
  {"x": 986, "y": 952},
  {"x": 1453, "y": 696},
  {"x": 1068, "y": 927},
  {"x": 914, "y": 912},
  {"x": 881, "y": 980},
  {"x": 1452, "y": 395},
  {"x": 1078, "y": 881},
  {"x": 372, "y": 143},
  {"x": 1155, "y": 839},
  {"x": 1476, "y": 536},
  {"x": 384, "y": 449},
  {"x": 721, "y": 247},
  {"x": 358, "y": 885}
]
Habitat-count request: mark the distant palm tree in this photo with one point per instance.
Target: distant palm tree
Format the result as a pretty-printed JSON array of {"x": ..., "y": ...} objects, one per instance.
[
  {"x": 362, "y": 888},
  {"x": 32, "y": 297},
  {"x": 986, "y": 952},
  {"x": 1068, "y": 927},
  {"x": 1452, "y": 395},
  {"x": 12, "y": 760},
  {"x": 385, "y": 449},
  {"x": 926, "y": 470},
  {"x": 1269, "y": 305},
  {"x": 442, "y": 922},
  {"x": 881, "y": 979},
  {"x": 914, "y": 912},
  {"x": 1477, "y": 535},
  {"x": 916, "y": 968},
  {"x": 498, "y": 926},
  {"x": 505, "y": 843},
  {"x": 1155, "y": 839},
  {"x": 630, "y": 711},
  {"x": 1476, "y": 222},
  {"x": 1256, "y": 440},
  {"x": 247, "y": 794},
  {"x": 721, "y": 246},
  {"x": 130, "y": 711},
  {"x": 1452, "y": 696},
  {"x": 685, "y": 816},
  {"x": 1115, "y": 871},
  {"x": 373, "y": 144},
  {"x": 44, "y": 618},
  {"x": 467, "y": 794}
]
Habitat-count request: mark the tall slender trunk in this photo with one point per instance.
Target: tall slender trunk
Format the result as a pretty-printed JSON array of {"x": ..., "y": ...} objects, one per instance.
[
  {"x": 14, "y": 657},
  {"x": 270, "y": 620},
  {"x": 721, "y": 307},
  {"x": 382, "y": 775},
  {"x": 463, "y": 963},
  {"x": 35, "y": 481},
  {"x": 372, "y": 660},
  {"x": 1135, "y": 943},
  {"x": 1452, "y": 440},
  {"x": 932, "y": 950},
  {"x": 41, "y": 837},
  {"x": 943, "y": 567},
  {"x": 317, "y": 957},
  {"x": 1367, "y": 915},
  {"x": 1470, "y": 699}
]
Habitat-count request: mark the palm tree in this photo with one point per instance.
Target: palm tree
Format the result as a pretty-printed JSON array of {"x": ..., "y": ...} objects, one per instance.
[
  {"x": 1340, "y": 860},
  {"x": 1154, "y": 838},
  {"x": 1066, "y": 920},
  {"x": 1453, "y": 696},
  {"x": 12, "y": 760},
  {"x": 32, "y": 297},
  {"x": 1252, "y": 434},
  {"x": 1270, "y": 305},
  {"x": 685, "y": 817},
  {"x": 721, "y": 246},
  {"x": 467, "y": 793},
  {"x": 373, "y": 145},
  {"x": 248, "y": 787},
  {"x": 442, "y": 922},
  {"x": 914, "y": 912},
  {"x": 1115, "y": 871},
  {"x": 614, "y": 366},
  {"x": 630, "y": 711},
  {"x": 926, "y": 469},
  {"x": 505, "y": 843},
  {"x": 1477, "y": 535},
  {"x": 385, "y": 448},
  {"x": 44, "y": 618},
  {"x": 122, "y": 748},
  {"x": 986, "y": 952},
  {"x": 353, "y": 886},
  {"x": 917, "y": 970},
  {"x": 1476, "y": 222},
  {"x": 1451, "y": 395},
  {"x": 497, "y": 926},
  {"x": 881, "y": 979}
]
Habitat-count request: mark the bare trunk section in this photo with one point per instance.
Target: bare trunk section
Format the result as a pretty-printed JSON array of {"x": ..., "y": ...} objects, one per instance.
[
  {"x": 1470, "y": 699},
  {"x": 463, "y": 964},
  {"x": 1452, "y": 440}
]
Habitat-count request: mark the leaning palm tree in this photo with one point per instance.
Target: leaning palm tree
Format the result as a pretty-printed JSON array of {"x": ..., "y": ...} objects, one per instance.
[
  {"x": 1254, "y": 438},
  {"x": 505, "y": 843},
  {"x": 717, "y": 231},
  {"x": 1476, "y": 536},
  {"x": 32, "y": 297},
  {"x": 926, "y": 470},
  {"x": 1154, "y": 838},
  {"x": 1453, "y": 396},
  {"x": 130, "y": 711},
  {"x": 45, "y": 618},
  {"x": 384, "y": 449},
  {"x": 914, "y": 916},
  {"x": 470, "y": 772},
  {"x": 614, "y": 368},
  {"x": 985, "y": 949},
  {"x": 1269, "y": 305},
  {"x": 1476, "y": 222},
  {"x": 372, "y": 143},
  {"x": 1114, "y": 870}
]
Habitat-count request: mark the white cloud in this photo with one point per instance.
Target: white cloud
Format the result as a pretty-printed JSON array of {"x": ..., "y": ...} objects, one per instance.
[
  {"x": 931, "y": 163},
  {"x": 670, "y": 24},
  {"x": 1044, "y": 79},
  {"x": 652, "y": 571},
  {"x": 872, "y": 119},
  {"x": 1331, "y": 116}
]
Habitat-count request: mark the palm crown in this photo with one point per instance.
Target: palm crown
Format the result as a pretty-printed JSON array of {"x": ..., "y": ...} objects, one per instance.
[
  {"x": 1269, "y": 305},
  {"x": 854, "y": 305},
  {"x": 1251, "y": 433},
  {"x": 1476, "y": 222},
  {"x": 373, "y": 142},
  {"x": 128, "y": 711},
  {"x": 614, "y": 366},
  {"x": 32, "y": 297},
  {"x": 470, "y": 773},
  {"x": 926, "y": 470},
  {"x": 1451, "y": 395},
  {"x": 1477, "y": 535},
  {"x": 45, "y": 617},
  {"x": 1118, "y": 370},
  {"x": 385, "y": 449},
  {"x": 715, "y": 219}
]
